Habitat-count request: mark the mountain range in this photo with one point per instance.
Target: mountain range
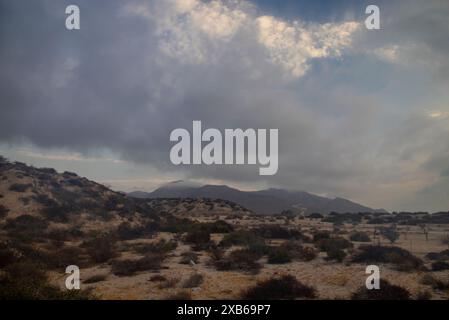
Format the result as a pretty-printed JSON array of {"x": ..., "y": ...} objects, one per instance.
[{"x": 269, "y": 201}]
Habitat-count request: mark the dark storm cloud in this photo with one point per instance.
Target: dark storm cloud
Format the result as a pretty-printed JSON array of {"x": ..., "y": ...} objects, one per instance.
[{"x": 129, "y": 77}]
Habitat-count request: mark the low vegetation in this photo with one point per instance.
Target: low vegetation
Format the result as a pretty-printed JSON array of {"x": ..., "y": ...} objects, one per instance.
[
  {"x": 387, "y": 291},
  {"x": 401, "y": 258},
  {"x": 285, "y": 287}
]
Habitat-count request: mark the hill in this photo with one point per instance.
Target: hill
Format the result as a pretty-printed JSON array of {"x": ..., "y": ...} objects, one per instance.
[{"x": 269, "y": 201}]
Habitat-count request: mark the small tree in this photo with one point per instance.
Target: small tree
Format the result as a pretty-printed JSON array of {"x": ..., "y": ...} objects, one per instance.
[
  {"x": 425, "y": 230},
  {"x": 390, "y": 233}
]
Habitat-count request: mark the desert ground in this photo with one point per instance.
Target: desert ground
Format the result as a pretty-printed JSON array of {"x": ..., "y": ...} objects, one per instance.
[{"x": 130, "y": 248}]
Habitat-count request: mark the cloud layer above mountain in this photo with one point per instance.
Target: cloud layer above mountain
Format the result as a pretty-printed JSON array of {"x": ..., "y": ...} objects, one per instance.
[{"x": 361, "y": 114}]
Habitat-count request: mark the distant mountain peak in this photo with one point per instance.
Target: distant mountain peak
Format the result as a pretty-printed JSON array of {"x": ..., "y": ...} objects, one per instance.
[{"x": 268, "y": 201}]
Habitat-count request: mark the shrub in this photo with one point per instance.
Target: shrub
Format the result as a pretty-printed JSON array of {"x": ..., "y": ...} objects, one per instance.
[
  {"x": 440, "y": 265},
  {"x": 242, "y": 259},
  {"x": 299, "y": 252},
  {"x": 424, "y": 295},
  {"x": 360, "y": 237},
  {"x": 168, "y": 283},
  {"x": 335, "y": 254},
  {"x": 63, "y": 257},
  {"x": 387, "y": 291},
  {"x": 390, "y": 233},
  {"x": 95, "y": 278},
  {"x": 28, "y": 281},
  {"x": 242, "y": 238},
  {"x": 279, "y": 255},
  {"x": 404, "y": 260},
  {"x": 7, "y": 255},
  {"x": 100, "y": 249},
  {"x": 158, "y": 278},
  {"x": 435, "y": 283},
  {"x": 285, "y": 287},
  {"x": 19, "y": 187},
  {"x": 188, "y": 257},
  {"x": 26, "y": 223},
  {"x": 195, "y": 280},
  {"x": 129, "y": 267},
  {"x": 3, "y": 211},
  {"x": 181, "y": 295},
  {"x": 443, "y": 255},
  {"x": 162, "y": 246},
  {"x": 199, "y": 238},
  {"x": 277, "y": 232},
  {"x": 333, "y": 244},
  {"x": 321, "y": 235},
  {"x": 127, "y": 232}
]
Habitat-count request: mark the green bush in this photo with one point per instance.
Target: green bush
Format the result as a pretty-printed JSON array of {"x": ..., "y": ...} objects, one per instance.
[{"x": 285, "y": 287}]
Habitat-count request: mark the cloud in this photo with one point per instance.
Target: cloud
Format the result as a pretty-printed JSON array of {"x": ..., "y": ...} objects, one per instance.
[
  {"x": 199, "y": 32},
  {"x": 350, "y": 124}
]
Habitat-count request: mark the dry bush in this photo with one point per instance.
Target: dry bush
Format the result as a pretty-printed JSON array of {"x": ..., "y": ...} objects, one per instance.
[
  {"x": 241, "y": 238},
  {"x": 279, "y": 255},
  {"x": 162, "y": 247},
  {"x": 440, "y": 266},
  {"x": 188, "y": 257},
  {"x": 401, "y": 258},
  {"x": 3, "y": 211},
  {"x": 129, "y": 267},
  {"x": 360, "y": 236},
  {"x": 435, "y": 283},
  {"x": 387, "y": 291},
  {"x": 285, "y": 287},
  {"x": 241, "y": 260},
  {"x": 158, "y": 278},
  {"x": 19, "y": 187},
  {"x": 195, "y": 280},
  {"x": 181, "y": 295},
  {"x": 96, "y": 278},
  {"x": 101, "y": 249},
  {"x": 299, "y": 252},
  {"x": 200, "y": 239},
  {"x": 168, "y": 283},
  {"x": 28, "y": 281},
  {"x": 277, "y": 232}
]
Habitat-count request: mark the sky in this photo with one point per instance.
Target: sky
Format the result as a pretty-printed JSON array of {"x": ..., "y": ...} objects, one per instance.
[{"x": 362, "y": 114}]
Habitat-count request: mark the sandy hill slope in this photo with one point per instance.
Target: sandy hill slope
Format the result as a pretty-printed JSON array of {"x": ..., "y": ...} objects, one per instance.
[{"x": 66, "y": 200}]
